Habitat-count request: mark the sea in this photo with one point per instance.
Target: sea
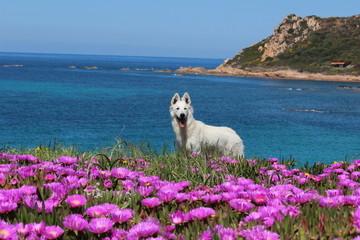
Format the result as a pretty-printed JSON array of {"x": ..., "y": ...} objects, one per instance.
[{"x": 92, "y": 101}]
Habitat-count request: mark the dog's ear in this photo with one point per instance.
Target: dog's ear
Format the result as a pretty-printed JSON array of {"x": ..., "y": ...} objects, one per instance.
[
  {"x": 175, "y": 98},
  {"x": 186, "y": 98}
]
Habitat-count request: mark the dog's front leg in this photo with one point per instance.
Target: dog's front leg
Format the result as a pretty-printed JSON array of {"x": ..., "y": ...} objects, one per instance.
[{"x": 193, "y": 146}]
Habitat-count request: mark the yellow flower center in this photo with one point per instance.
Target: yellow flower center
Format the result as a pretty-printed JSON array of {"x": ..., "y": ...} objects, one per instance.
[{"x": 4, "y": 233}]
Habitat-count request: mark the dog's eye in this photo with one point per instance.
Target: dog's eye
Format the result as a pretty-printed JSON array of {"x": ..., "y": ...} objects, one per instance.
[
  {"x": 177, "y": 108},
  {"x": 184, "y": 108}
]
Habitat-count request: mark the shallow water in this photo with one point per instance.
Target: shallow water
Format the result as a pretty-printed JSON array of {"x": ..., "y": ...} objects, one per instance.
[{"x": 45, "y": 100}]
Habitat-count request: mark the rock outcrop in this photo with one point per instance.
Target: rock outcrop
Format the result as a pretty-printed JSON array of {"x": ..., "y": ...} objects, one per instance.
[{"x": 292, "y": 29}]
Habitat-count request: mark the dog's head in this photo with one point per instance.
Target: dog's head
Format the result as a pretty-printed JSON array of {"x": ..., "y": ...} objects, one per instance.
[{"x": 180, "y": 109}]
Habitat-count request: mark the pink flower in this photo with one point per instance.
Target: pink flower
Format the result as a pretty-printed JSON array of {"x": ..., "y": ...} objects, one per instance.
[
  {"x": 150, "y": 202},
  {"x": 53, "y": 232},
  {"x": 146, "y": 228},
  {"x": 96, "y": 211},
  {"x": 201, "y": 213},
  {"x": 29, "y": 158},
  {"x": 120, "y": 172},
  {"x": 7, "y": 231},
  {"x": 76, "y": 200},
  {"x": 75, "y": 222},
  {"x": 119, "y": 234},
  {"x": 273, "y": 160},
  {"x": 37, "y": 228},
  {"x": 167, "y": 194},
  {"x": 121, "y": 215},
  {"x": 259, "y": 233},
  {"x": 100, "y": 225},
  {"x": 177, "y": 217},
  {"x": 67, "y": 160},
  {"x": 259, "y": 198},
  {"x": 108, "y": 183},
  {"x": 145, "y": 190},
  {"x": 7, "y": 206},
  {"x": 303, "y": 180},
  {"x": 241, "y": 205}
]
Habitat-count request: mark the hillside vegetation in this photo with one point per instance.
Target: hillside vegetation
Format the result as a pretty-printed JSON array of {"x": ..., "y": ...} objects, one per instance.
[{"x": 308, "y": 44}]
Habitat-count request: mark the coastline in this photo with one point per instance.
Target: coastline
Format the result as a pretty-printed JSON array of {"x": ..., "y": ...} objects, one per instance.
[{"x": 279, "y": 74}]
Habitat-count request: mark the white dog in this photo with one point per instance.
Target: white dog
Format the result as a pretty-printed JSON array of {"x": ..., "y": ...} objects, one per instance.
[{"x": 192, "y": 134}]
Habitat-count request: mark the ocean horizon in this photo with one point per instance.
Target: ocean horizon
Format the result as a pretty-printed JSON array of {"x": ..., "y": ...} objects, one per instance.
[{"x": 87, "y": 101}]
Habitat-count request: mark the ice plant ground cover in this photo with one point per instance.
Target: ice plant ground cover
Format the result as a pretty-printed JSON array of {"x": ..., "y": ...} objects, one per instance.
[{"x": 128, "y": 192}]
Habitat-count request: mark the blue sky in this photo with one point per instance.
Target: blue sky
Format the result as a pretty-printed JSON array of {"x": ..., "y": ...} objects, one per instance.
[{"x": 186, "y": 28}]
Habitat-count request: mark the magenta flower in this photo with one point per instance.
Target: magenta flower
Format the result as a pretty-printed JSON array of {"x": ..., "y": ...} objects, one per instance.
[
  {"x": 241, "y": 205},
  {"x": 96, "y": 211},
  {"x": 150, "y": 202},
  {"x": 76, "y": 200},
  {"x": 119, "y": 234},
  {"x": 108, "y": 183},
  {"x": 259, "y": 233},
  {"x": 21, "y": 229},
  {"x": 37, "y": 228},
  {"x": 7, "y": 207},
  {"x": 180, "y": 197},
  {"x": 100, "y": 225},
  {"x": 29, "y": 158},
  {"x": 53, "y": 232},
  {"x": 145, "y": 190},
  {"x": 25, "y": 172},
  {"x": 75, "y": 222},
  {"x": 227, "y": 233},
  {"x": 109, "y": 207},
  {"x": 206, "y": 235},
  {"x": 104, "y": 174},
  {"x": 259, "y": 198},
  {"x": 128, "y": 185},
  {"x": 201, "y": 213},
  {"x": 332, "y": 201},
  {"x": 121, "y": 215},
  {"x": 50, "y": 177},
  {"x": 7, "y": 231},
  {"x": 177, "y": 218},
  {"x": 211, "y": 198},
  {"x": 303, "y": 180},
  {"x": 273, "y": 160},
  {"x": 67, "y": 160},
  {"x": 146, "y": 228},
  {"x": 334, "y": 192},
  {"x": 120, "y": 172},
  {"x": 167, "y": 195}
]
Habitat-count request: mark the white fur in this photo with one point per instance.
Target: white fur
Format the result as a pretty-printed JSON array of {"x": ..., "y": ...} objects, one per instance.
[{"x": 192, "y": 134}]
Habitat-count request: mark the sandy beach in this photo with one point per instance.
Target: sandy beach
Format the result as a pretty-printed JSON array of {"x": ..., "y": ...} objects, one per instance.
[{"x": 281, "y": 74}]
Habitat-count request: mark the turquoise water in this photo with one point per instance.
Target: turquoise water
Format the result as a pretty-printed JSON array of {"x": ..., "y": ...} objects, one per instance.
[{"x": 45, "y": 100}]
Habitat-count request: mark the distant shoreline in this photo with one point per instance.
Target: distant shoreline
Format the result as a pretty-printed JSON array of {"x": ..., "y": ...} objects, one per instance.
[{"x": 278, "y": 74}]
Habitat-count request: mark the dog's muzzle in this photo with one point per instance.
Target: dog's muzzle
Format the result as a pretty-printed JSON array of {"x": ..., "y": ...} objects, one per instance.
[{"x": 182, "y": 120}]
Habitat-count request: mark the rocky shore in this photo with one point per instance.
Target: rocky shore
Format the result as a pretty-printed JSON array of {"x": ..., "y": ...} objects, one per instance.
[{"x": 261, "y": 73}]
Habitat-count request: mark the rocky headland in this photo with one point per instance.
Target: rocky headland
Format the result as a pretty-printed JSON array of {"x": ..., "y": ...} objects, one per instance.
[{"x": 309, "y": 48}]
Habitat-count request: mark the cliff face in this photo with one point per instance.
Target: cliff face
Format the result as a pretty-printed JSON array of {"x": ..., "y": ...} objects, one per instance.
[
  {"x": 308, "y": 44},
  {"x": 292, "y": 29}
]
